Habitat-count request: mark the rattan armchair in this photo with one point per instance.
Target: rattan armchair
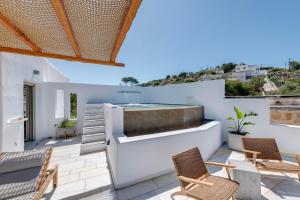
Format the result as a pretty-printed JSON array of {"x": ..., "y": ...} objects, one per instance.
[
  {"x": 195, "y": 180},
  {"x": 25, "y": 175},
  {"x": 265, "y": 155}
]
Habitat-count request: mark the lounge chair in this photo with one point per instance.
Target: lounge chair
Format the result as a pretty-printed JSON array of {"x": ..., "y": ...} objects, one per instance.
[
  {"x": 265, "y": 155},
  {"x": 25, "y": 175},
  {"x": 196, "y": 182}
]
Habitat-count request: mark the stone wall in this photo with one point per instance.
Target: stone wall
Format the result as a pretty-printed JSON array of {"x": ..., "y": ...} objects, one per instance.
[{"x": 285, "y": 115}]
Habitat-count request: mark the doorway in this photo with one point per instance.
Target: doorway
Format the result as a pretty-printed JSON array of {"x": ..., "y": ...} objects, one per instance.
[{"x": 28, "y": 108}]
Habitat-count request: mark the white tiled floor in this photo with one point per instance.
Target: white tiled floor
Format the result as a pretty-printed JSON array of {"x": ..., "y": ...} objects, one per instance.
[{"x": 87, "y": 177}]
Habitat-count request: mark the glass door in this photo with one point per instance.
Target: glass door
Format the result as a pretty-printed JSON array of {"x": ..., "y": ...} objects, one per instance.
[{"x": 28, "y": 112}]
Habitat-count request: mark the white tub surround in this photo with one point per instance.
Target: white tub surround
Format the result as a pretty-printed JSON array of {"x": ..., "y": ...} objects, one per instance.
[{"x": 135, "y": 159}]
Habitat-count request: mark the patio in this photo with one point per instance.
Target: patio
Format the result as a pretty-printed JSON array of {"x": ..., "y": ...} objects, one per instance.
[{"x": 88, "y": 177}]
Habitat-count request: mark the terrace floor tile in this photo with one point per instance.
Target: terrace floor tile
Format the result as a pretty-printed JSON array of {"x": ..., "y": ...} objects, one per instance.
[{"x": 87, "y": 177}]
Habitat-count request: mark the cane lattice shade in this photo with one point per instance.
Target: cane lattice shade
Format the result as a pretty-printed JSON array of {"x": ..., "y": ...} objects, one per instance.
[{"x": 89, "y": 31}]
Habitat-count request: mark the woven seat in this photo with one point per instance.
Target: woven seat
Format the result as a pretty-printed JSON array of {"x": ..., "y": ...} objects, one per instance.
[
  {"x": 264, "y": 153},
  {"x": 195, "y": 180},
  {"x": 278, "y": 166},
  {"x": 222, "y": 189}
]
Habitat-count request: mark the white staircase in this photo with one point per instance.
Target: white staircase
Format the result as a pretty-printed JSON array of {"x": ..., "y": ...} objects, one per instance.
[{"x": 93, "y": 134}]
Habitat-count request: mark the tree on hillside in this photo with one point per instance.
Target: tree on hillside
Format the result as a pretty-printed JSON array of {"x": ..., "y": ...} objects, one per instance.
[
  {"x": 168, "y": 77},
  {"x": 295, "y": 65},
  {"x": 290, "y": 87},
  {"x": 237, "y": 88},
  {"x": 257, "y": 84},
  {"x": 228, "y": 67},
  {"x": 182, "y": 75},
  {"x": 130, "y": 80}
]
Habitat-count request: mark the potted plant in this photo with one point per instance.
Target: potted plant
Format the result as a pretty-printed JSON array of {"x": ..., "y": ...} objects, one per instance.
[
  {"x": 236, "y": 132},
  {"x": 65, "y": 128}
]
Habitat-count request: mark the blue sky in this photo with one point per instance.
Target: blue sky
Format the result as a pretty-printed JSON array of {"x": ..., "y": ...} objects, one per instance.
[{"x": 171, "y": 36}]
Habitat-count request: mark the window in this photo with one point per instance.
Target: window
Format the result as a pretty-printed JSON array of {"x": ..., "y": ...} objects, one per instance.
[
  {"x": 60, "y": 105},
  {"x": 73, "y": 106}
]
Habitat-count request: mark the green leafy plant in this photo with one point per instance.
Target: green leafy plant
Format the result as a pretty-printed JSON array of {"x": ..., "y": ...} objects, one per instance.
[
  {"x": 67, "y": 124},
  {"x": 239, "y": 122}
]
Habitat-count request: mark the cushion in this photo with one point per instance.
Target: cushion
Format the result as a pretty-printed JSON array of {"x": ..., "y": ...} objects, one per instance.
[
  {"x": 19, "y": 182},
  {"x": 28, "y": 196},
  {"x": 14, "y": 161}
]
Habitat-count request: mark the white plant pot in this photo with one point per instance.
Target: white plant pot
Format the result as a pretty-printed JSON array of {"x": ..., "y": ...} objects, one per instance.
[{"x": 235, "y": 141}]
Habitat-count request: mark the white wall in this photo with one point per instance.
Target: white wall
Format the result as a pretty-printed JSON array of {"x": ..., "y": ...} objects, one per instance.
[
  {"x": 207, "y": 93},
  {"x": 139, "y": 158},
  {"x": 287, "y": 137},
  {"x": 86, "y": 93},
  {"x": 15, "y": 70},
  {"x": 210, "y": 94},
  {"x": 193, "y": 93}
]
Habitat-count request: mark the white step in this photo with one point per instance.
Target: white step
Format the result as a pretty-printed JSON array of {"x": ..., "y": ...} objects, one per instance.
[
  {"x": 95, "y": 137},
  {"x": 92, "y": 147},
  {"x": 93, "y": 122},
  {"x": 94, "y": 105},
  {"x": 93, "y": 110},
  {"x": 93, "y": 129},
  {"x": 93, "y": 116}
]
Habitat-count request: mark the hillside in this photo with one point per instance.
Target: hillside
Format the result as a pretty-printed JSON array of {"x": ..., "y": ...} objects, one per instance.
[
  {"x": 286, "y": 82},
  {"x": 187, "y": 77}
]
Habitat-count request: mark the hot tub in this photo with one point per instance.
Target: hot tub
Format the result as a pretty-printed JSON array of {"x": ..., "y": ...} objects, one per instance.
[{"x": 142, "y": 119}]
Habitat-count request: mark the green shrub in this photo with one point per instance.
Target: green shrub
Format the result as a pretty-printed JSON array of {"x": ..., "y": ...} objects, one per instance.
[{"x": 67, "y": 124}]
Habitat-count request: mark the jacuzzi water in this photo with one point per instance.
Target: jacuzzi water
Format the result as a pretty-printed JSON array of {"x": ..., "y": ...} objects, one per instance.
[{"x": 152, "y": 106}]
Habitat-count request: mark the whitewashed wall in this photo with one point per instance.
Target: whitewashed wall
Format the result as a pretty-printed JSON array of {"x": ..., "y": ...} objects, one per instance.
[
  {"x": 210, "y": 94},
  {"x": 207, "y": 93},
  {"x": 287, "y": 136},
  {"x": 15, "y": 70},
  {"x": 139, "y": 158},
  {"x": 86, "y": 93}
]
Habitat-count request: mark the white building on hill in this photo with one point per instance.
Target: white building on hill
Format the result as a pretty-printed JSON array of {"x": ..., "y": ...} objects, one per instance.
[{"x": 245, "y": 72}]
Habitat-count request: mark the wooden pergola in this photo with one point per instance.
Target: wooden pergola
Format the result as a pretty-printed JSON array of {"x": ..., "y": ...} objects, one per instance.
[{"x": 90, "y": 31}]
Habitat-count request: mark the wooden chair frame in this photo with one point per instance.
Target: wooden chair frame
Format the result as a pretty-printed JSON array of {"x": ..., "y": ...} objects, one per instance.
[
  {"x": 47, "y": 176},
  {"x": 201, "y": 181},
  {"x": 254, "y": 160}
]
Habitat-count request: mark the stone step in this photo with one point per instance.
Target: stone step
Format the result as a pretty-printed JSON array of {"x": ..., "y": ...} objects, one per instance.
[
  {"x": 93, "y": 129},
  {"x": 89, "y": 111},
  {"x": 93, "y": 147},
  {"x": 93, "y": 122},
  {"x": 93, "y": 116},
  {"x": 94, "y": 105},
  {"x": 95, "y": 137}
]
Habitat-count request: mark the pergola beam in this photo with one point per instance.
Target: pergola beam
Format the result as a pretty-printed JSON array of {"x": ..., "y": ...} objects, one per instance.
[
  {"x": 65, "y": 22},
  {"x": 57, "y": 56},
  {"x": 16, "y": 31},
  {"x": 135, "y": 4}
]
